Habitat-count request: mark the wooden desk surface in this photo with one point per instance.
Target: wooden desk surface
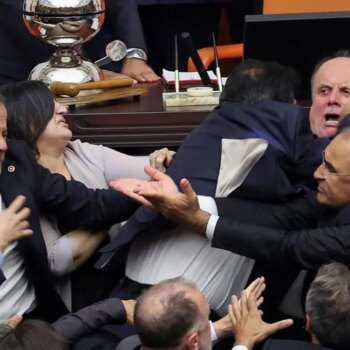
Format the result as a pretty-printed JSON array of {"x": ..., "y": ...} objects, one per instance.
[{"x": 129, "y": 124}]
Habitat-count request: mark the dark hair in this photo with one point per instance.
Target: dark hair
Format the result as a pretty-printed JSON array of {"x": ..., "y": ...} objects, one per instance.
[
  {"x": 338, "y": 54},
  {"x": 33, "y": 334},
  {"x": 253, "y": 81},
  {"x": 328, "y": 305},
  {"x": 30, "y": 106},
  {"x": 178, "y": 314}
]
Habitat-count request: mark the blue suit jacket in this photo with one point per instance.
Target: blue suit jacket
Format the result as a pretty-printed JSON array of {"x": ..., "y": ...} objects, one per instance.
[
  {"x": 70, "y": 201},
  {"x": 292, "y": 156},
  {"x": 20, "y": 51}
]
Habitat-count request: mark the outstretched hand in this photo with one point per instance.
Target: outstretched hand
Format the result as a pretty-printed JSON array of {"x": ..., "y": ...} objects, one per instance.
[
  {"x": 161, "y": 193},
  {"x": 248, "y": 327},
  {"x": 180, "y": 207},
  {"x": 158, "y": 183}
]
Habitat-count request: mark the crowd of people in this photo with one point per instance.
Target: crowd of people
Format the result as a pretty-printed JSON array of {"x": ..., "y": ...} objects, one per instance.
[{"x": 255, "y": 237}]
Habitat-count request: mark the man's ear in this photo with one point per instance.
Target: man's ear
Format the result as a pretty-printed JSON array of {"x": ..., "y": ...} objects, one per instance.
[
  {"x": 193, "y": 341},
  {"x": 314, "y": 339},
  {"x": 308, "y": 323}
]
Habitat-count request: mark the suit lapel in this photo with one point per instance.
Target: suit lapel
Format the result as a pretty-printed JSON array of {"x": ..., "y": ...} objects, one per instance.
[{"x": 12, "y": 184}]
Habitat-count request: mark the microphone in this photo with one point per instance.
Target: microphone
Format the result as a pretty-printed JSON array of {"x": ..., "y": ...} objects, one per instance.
[{"x": 186, "y": 37}]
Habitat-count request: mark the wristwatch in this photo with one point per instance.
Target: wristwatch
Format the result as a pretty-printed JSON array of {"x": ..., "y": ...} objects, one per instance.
[{"x": 136, "y": 53}]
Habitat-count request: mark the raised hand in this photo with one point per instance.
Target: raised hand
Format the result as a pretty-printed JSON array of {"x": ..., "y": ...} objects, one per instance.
[
  {"x": 247, "y": 324},
  {"x": 161, "y": 158},
  {"x": 223, "y": 327},
  {"x": 256, "y": 288},
  {"x": 13, "y": 222}
]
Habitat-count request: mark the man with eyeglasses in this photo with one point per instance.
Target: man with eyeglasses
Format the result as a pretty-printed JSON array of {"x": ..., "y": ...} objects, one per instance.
[{"x": 315, "y": 234}]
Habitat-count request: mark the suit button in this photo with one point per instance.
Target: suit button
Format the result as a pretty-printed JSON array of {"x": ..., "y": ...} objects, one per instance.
[{"x": 11, "y": 169}]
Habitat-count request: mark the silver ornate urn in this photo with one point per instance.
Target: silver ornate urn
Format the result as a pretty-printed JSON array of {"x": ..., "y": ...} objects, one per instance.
[{"x": 66, "y": 24}]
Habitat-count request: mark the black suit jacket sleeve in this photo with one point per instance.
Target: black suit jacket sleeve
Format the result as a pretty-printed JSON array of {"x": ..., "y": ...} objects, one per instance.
[
  {"x": 307, "y": 248},
  {"x": 122, "y": 19},
  {"x": 88, "y": 319},
  {"x": 284, "y": 242},
  {"x": 294, "y": 214}
]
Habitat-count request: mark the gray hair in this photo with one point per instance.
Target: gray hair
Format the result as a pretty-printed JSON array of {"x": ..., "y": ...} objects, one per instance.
[
  {"x": 328, "y": 305},
  {"x": 164, "y": 314}
]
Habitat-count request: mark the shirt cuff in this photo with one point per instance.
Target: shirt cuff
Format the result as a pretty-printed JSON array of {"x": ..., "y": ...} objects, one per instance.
[
  {"x": 211, "y": 226},
  {"x": 213, "y": 334},
  {"x": 208, "y": 204},
  {"x": 61, "y": 259},
  {"x": 240, "y": 347},
  {"x": 1, "y": 258}
]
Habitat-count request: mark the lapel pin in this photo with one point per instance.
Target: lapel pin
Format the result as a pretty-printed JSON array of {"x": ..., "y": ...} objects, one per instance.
[{"x": 11, "y": 169}]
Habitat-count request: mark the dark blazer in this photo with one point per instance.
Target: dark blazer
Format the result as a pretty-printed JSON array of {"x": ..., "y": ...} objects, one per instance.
[
  {"x": 70, "y": 201},
  {"x": 130, "y": 343},
  {"x": 276, "y": 344},
  {"x": 91, "y": 318},
  {"x": 20, "y": 51},
  {"x": 292, "y": 155},
  {"x": 313, "y": 234}
]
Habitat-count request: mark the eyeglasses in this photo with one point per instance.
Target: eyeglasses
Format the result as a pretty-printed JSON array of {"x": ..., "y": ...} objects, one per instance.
[{"x": 328, "y": 168}]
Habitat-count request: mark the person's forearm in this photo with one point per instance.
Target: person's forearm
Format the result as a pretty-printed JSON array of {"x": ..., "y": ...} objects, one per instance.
[
  {"x": 90, "y": 318},
  {"x": 198, "y": 222},
  {"x": 84, "y": 244},
  {"x": 223, "y": 328}
]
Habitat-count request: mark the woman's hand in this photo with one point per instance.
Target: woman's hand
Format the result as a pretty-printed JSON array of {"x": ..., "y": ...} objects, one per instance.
[{"x": 161, "y": 158}]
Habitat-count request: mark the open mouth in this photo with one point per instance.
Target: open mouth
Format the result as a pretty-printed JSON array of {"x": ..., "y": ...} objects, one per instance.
[{"x": 331, "y": 117}]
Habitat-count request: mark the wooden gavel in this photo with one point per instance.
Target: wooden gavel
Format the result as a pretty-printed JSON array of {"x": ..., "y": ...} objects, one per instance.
[{"x": 72, "y": 89}]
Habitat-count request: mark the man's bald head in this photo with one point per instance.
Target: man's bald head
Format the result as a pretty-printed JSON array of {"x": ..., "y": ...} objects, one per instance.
[
  {"x": 330, "y": 88},
  {"x": 168, "y": 312}
]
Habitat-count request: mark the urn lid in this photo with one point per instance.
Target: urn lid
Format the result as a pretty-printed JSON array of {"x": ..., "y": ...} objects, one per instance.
[{"x": 63, "y": 7}]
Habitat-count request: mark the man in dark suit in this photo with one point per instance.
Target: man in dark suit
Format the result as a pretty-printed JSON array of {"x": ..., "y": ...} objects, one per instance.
[
  {"x": 26, "y": 282},
  {"x": 318, "y": 230},
  {"x": 256, "y": 104},
  {"x": 255, "y": 138},
  {"x": 20, "y": 51}
]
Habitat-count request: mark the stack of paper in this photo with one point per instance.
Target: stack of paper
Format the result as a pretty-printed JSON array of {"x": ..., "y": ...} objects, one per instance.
[{"x": 187, "y": 77}]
